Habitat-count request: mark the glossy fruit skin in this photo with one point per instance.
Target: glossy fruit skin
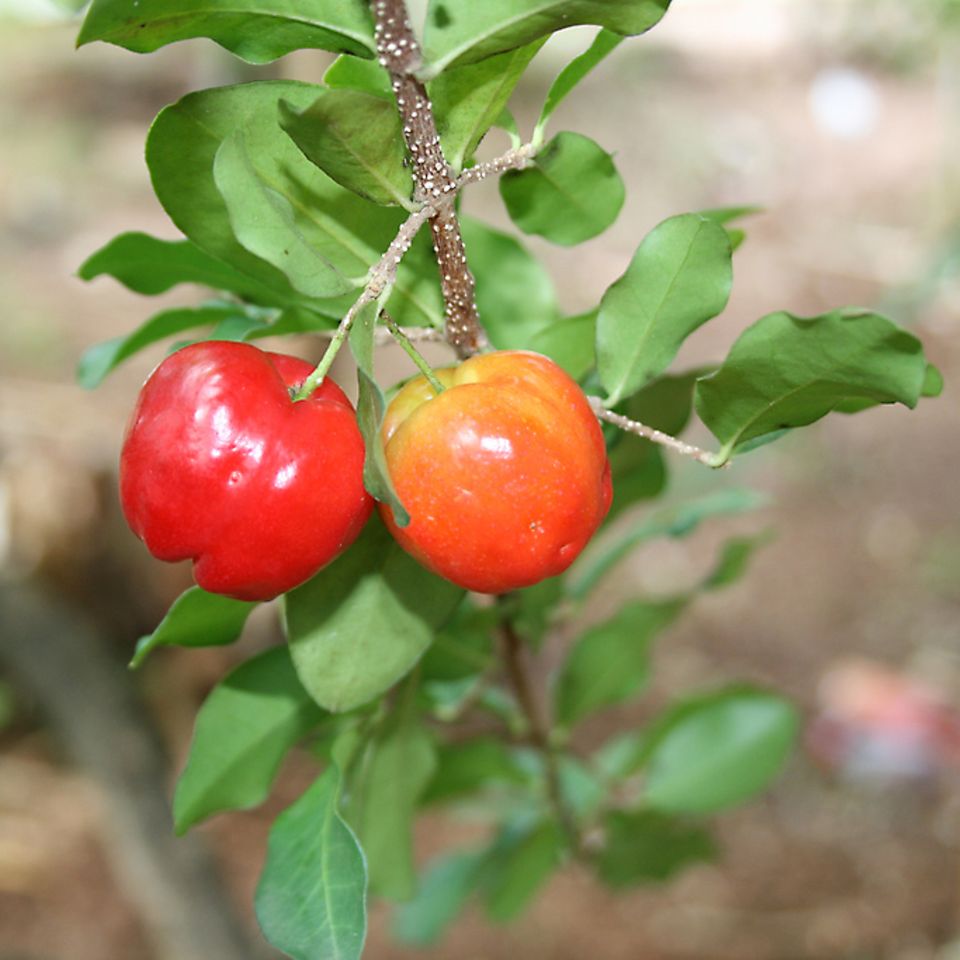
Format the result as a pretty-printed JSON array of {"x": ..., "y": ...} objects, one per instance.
[
  {"x": 220, "y": 466},
  {"x": 504, "y": 474}
]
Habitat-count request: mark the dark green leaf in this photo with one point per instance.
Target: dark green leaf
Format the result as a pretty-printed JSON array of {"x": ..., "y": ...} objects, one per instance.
[
  {"x": 679, "y": 520},
  {"x": 257, "y": 31},
  {"x": 348, "y": 232},
  {"x": 196, "y": 619},
  {"x": 515, "y": 296},
  {"x": 787, "y": 371},
  {"x": 610, "y": 662},
  {"x": 463, "y": 646},
  {"x": 244, "y": 730},
  {"x": 358, "y": 626},
  {"x": 464, "y": 31},
  {"x": 679, "y": 278},
  {"x": 351, "y": 73},
  {"x": 645, "y": 846},
  {"x": 570, "y": 343},
  {"x": 355, "y": 139},
  {"x": 605, "y": 42},
  {"x": 570, "y": 193},
  {"x": 149, "y": 265},
  {"x": 311, "y": 900},
  {"x": 371, "y": 405},
  {"x": 445, "y": 886},
  {"x": 716, "y": 751},
  {"x": 468, "y": 100},
  {"x": 536, "y": 608},
  {"x": 466, "y": 767},
  {"x": 399, "y": 764}
]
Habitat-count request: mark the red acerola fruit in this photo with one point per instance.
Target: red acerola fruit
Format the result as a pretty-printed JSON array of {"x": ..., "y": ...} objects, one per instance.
[
  {"x": 221, "y": 466},
  {"x": 504, "y": 473}
]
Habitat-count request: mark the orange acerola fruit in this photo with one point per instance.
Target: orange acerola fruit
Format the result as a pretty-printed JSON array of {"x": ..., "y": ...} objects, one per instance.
[{"x": 504, "y": 474}]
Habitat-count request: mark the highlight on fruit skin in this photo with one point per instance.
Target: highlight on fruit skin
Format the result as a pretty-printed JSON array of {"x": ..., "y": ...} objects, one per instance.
[
  {"x": 220, "y": 466},
  {"x": 504, "y": 474}
]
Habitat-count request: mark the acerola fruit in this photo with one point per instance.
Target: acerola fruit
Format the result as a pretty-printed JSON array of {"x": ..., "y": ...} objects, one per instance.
[
  {"x": 220, "y": 466},
  {"x": 504, "y": 474}
]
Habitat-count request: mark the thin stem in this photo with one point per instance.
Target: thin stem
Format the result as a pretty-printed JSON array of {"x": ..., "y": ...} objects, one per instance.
[
  {"x": 434, "y": 182},
  {"x": 515, "y": 159},
  {"x": 412, "y": 352},
  {"x": 513, "y": 660},
  {"x": 654, "y": 435}
]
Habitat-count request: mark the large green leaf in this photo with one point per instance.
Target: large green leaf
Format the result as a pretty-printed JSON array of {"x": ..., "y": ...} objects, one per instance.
[
  {"x": 368, "y": 76},
  {"x": 243, "y": 731},
  {"x": 645, "y": 846},
  {"x": 345, "y": 230},
  {"x": 679, "y": 278},
  {"x": 149, "y": 265},
  {"x": 398, "y": 765},
  {"x": 515, "y": 295},
  {"x": 717, "y": 750},
  {"x": 257, "y": 31},
  {"x": 311, "y": 899},
  {"x": 354, "y": 138},
  {"x": 605, "y": 42},
  {"x": 787, "y": 371},
  {"x": 468, "y": 100},
  {"x": 570, "y": 193},
  {"x": 444, "y": 888},
  {"x": 570, "y": 343},
  {"x": 610, "y": 662},
  {"x": 358, "y": 626},
  {"x": 464, "y": 31},
  {"x": 196, "y": 619}
]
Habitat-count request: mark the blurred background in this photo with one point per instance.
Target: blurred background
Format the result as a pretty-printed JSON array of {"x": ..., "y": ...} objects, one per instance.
[{"x": 841, "y": 119}]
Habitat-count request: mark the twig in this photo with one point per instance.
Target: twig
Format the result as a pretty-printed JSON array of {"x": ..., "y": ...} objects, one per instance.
[
  {"x": 434, "y": 183},
  {"x": 516, "y": 159},
  {"x": 539, "y": 729},
  {"x": 652, "y": 434},
  {"x": 413, "y": 334},
  {"x": 412, "y": 352}
]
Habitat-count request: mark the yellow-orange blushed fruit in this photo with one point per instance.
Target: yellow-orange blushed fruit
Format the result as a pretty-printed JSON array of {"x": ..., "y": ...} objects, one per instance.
[{"x": 504, "y": 473}]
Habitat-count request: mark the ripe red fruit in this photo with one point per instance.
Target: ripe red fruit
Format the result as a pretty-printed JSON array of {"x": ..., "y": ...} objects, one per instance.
[
  {"x": 220, "y": 466},
  {"x": 504, "y": 474}
]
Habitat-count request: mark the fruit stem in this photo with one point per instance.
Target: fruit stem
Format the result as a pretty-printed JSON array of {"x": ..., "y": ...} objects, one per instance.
[{"x": 412, "y": 352}]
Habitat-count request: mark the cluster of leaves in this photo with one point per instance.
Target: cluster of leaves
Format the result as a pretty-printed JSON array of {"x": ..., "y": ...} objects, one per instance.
[{"x": 286, "y": 194}]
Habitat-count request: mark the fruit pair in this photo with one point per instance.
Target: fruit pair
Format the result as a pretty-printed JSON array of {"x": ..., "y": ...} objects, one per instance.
[{"x": 504, "y": 473}]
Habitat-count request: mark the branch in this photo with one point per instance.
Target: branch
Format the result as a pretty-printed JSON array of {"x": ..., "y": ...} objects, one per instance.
[
  {"x": 434, "y": 182},
  {"x": 652, "y": 434}
]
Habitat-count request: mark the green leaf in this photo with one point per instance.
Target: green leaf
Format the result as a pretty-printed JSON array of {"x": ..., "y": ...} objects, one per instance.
[
  {"x": 355, "y": 139},
  {"x": 358, "y": 626},
  {"x": 264, "y": 222},
  {"x": 679, "y": 278},
  {"x": 717, "y": 750},
  {"x": 444, "y": 889},
  {"x": 311, "y": 899},
  {"x": 610, "y": 662},
  {"x": 346, "y": 231},
  {"x": 570, "y": 343},
  {"x": 100, "y": 359},
  {"x": 644, "y": 846},
  {"x": 787, "y": 371},
  {"x": 466, "y": 767},
  {"x": 463, "y": 646},
  {"x": 150, "y": 266},
  {"x": 536, "y": 609},
  {"x": 371, "y": 406},
  {"x": 515, "y": 295},
  {"x": 735, "y": 557},
  {"x": 570, "y": 193},
  {"x": 351, "y": 73},
  {"x": 464, "y": 31},
  {"x": 605, "y": 42},
  {"x": 637, "y": 465},
  {"x": 257, "y": 31},
  {"x": 468, "y": 100},
  {"x": 725, "y": 215},
  {"x": 196, "y": 619},
  {"x": 678, "y": 520},
  {"x": 243, "y": 731},
  {"x": 399, "y": 764},
  {"x": 517, "y": 866}
]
